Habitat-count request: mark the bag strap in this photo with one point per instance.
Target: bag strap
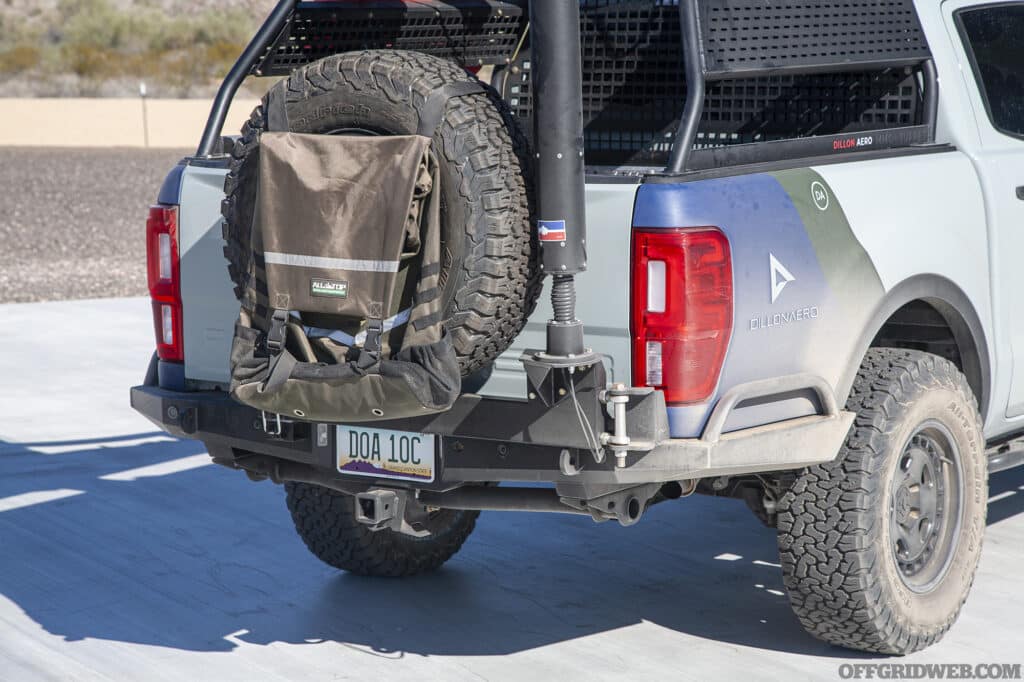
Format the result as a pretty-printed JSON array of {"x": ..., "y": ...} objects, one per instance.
[
  {"x": 280, "y": 371},
  {"x": 281, "y": 361},
  {"x": 374, "y": 329},
  {"x": 432, "y": 110},
  {"x": 277, "y": 334},
  {"x": 427, "y": 318}
]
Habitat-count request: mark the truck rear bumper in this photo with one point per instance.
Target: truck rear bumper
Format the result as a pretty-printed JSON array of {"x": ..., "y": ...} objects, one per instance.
[{"x": 494, "y": 440}]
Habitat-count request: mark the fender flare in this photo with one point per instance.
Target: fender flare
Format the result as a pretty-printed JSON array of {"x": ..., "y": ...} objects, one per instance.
[{"x": 959, "y": 313}]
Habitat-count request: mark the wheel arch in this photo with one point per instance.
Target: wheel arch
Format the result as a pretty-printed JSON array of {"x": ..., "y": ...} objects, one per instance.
[{"x": 962, "y": 325}]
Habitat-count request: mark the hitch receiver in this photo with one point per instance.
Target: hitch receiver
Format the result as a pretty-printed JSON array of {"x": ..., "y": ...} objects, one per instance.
[{"x": 386, "y": 510}]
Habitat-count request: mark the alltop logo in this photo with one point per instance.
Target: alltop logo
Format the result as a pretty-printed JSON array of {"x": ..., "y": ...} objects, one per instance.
[{"x": 328, "y": 288}]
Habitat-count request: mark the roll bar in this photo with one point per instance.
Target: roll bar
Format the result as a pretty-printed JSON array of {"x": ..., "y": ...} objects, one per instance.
[{"x": 267, "y": 33}]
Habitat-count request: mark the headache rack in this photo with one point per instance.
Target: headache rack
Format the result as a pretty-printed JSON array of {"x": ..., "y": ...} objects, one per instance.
[
  {"x": 635, "y": 93},
  {"x": 678, "y": 85},
  {"x": 726, "y": 40}
]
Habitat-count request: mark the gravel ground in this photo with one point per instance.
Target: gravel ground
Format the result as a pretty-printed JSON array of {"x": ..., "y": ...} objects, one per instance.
[{"x": 72, "y": 221}]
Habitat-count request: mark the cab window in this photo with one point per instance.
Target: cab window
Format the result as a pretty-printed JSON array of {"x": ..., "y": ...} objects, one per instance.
[{"x": 994, "y": 39}]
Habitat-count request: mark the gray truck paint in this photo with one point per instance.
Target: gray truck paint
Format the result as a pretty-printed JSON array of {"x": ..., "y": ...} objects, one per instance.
[
  {"x": 998, "y": 160},
  {"x": 210, "y": 307},
  {"x": 606, "y": 314},
  {"x": 943, "y": 224},
  {"x": 765, "y": 216}
]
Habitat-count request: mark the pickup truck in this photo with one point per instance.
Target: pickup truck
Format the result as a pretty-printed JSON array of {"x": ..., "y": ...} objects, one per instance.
[{"x": 803, "y": 246}]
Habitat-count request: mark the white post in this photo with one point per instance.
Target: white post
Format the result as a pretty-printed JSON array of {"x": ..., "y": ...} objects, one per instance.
[{"x": 145, "y": 116}]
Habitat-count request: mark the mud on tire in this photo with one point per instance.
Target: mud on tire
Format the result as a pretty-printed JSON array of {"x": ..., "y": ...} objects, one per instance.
[
  {"x": 490, "y": 276},
  {"x": 853, "y": 577},
  {"x": 325, "y": 520}
]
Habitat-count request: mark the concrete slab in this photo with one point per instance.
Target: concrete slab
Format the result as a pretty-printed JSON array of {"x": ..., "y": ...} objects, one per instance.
[{"x": 122, "y": 558}]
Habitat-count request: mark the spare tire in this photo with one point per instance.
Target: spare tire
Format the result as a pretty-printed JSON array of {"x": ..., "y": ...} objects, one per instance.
[{"x": 490, "y": 275}]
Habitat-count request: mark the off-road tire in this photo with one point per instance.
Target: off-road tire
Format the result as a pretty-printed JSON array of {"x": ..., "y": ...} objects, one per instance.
[
  {"x": 840, "y": 570},
  {"x": 325, "y": 520},
  {"x": 490, "y": 276}
]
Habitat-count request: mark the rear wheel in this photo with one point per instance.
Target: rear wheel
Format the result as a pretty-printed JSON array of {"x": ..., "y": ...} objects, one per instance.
[
  {"x": 326, "y": 522},
  {"x": 879, "y": 548}
]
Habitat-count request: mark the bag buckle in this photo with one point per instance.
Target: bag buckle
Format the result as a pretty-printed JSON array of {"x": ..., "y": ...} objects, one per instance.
[
  {"x": 278, "y": 332},
  {"x": 374, "y": 329}
]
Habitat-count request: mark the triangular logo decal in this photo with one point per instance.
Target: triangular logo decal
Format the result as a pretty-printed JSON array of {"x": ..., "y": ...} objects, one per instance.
[{"x": 780, "y": 277}]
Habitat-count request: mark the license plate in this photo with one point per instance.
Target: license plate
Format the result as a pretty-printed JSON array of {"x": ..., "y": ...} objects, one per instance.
[{"x": 380, "y": 453}]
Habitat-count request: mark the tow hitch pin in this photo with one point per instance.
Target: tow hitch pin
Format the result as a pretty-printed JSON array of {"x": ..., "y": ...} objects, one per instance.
[{"x": 619, "y": 440}]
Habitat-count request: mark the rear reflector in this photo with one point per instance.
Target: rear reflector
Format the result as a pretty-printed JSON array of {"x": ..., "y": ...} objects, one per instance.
[
  {"x": 162, "y": 267},
  {"x": 166, "y": 324},
  {"x": 654, "y": 375},
  {"x": 682, "y": 310}
]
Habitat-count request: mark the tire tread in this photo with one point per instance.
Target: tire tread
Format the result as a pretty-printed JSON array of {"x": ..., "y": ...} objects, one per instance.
[
  {"x": 829, "y": 544},
  {"x": 325, "y": 520}
]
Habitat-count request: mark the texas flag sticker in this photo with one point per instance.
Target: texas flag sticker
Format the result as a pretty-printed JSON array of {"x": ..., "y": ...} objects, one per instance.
[{"x": 551, "y": 230}]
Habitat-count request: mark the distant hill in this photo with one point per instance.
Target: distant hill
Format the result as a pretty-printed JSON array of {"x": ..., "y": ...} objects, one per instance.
[{"x": 180, "y": 48}]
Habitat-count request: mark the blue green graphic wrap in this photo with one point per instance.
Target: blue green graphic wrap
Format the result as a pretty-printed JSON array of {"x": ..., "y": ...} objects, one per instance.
[{"x": 804, "y": 287}]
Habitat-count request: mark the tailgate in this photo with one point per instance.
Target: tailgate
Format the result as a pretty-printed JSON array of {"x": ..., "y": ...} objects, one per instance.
[{"x": 210, "y": 307}]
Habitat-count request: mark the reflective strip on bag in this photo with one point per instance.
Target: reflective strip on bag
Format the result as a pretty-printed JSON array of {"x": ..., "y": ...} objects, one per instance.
[{"x": 319, "y": 262}]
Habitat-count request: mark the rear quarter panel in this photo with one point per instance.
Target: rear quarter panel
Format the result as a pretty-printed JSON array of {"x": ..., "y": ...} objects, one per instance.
[{"x": 848, "y": 234}]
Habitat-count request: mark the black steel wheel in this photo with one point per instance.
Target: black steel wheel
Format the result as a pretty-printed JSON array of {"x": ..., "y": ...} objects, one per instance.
[{"x": 925, "y": 506}]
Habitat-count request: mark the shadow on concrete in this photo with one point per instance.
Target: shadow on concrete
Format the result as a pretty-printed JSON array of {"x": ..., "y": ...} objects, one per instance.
[
  {"x": 204, "y": 560},
  {"x": 1011, "y": 481},
  {"x": 108, "y": 441}
]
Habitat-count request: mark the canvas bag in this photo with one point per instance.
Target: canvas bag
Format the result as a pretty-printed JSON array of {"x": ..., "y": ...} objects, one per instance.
[{"x": 343, "y": 321}]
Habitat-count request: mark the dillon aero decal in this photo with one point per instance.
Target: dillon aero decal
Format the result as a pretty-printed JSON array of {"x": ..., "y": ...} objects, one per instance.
[
  {"x": 780, "y": 278},
  {"x": 804, "y": 288}
]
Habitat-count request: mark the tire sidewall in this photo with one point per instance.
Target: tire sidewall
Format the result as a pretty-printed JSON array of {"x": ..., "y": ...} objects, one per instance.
[{"x": 933, "y": 610}]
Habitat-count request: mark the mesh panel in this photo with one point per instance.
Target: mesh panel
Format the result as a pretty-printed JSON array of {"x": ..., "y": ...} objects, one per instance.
[
  {"x": 747, "y": 35},
  {"x": 471, "y": 32},
  {"x": 633, "y": 92}
]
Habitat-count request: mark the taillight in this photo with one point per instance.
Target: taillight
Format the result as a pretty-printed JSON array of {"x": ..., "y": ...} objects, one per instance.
[
  {"x": 682, "y": 311},
  {"x": 162, "y": 267}
]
